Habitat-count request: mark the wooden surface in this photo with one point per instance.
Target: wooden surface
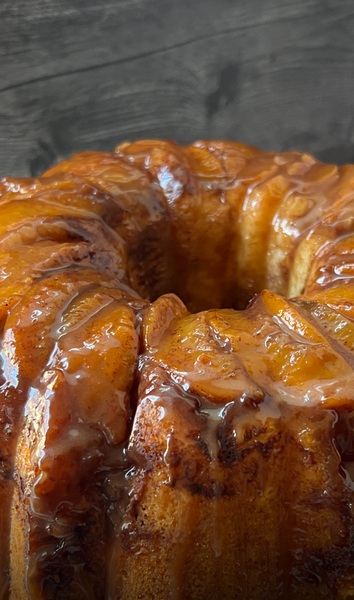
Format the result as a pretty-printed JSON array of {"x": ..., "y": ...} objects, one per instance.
[{"x": 79, "y": 74}]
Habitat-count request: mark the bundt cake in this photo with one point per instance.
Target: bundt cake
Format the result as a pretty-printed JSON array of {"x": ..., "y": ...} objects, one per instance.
[{"x": 173, "y": 425}]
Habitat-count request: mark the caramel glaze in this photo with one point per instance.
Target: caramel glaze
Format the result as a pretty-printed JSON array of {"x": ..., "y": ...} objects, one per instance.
[{"x": 156, "y": 452}]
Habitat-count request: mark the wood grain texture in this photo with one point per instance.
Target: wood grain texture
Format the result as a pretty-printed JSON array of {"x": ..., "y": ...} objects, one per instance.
[{"x": 79, "y": 74}]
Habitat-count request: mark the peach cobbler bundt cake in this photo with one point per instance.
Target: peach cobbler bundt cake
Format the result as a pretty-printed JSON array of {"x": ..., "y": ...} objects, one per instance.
[{"x": 177, "y": 386}]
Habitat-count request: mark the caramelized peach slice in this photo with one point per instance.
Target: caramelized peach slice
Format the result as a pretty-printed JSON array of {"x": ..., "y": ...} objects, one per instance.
[
  {"x": 28, "y": 333},
  {"x": 313, "y": 359},
  {"x": 335, "y": 325},
  {"x": 185, "y": 346},
  {"x": 159, "y": 317},
  {"x": 301, "y": 276},
  {"x": 254, "y": 226},
  {"x": 287, "y": 313},
  {"x": 21, "y": 211},
  {"x": 204, "y": 164},
  {"x": 104, "y": 349}
]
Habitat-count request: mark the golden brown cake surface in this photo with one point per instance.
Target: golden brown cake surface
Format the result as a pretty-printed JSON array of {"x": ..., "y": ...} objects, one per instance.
[{"x": 198, "y": 447}]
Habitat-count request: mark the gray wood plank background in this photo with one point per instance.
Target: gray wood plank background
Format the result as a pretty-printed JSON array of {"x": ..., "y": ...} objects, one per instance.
[{"x": 80, "y": 74}]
